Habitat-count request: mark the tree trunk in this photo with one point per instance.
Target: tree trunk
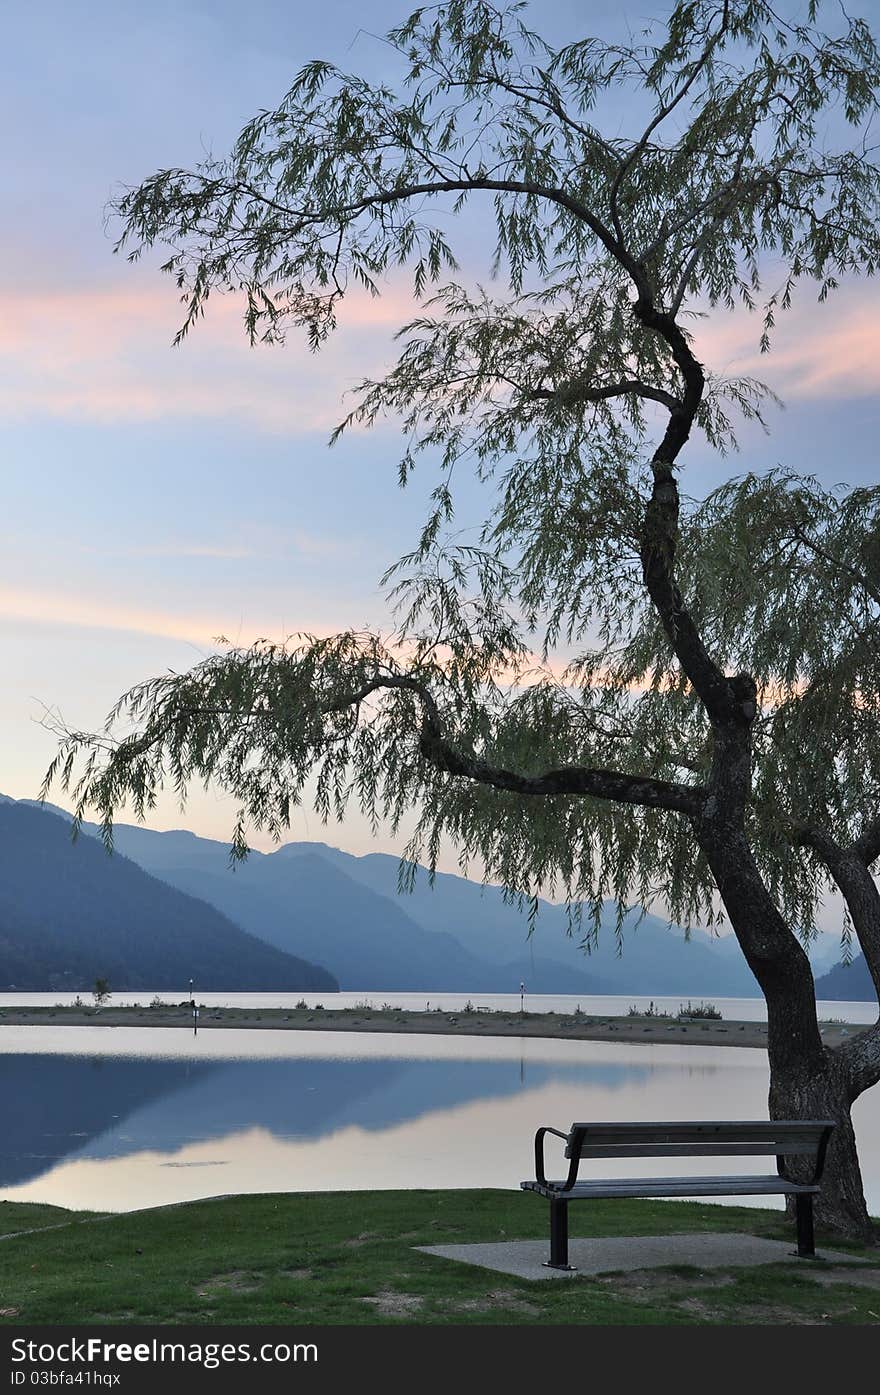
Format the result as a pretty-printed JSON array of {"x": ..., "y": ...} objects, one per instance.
[
  {"x": 840, "y": 1206},
  {"x": 807, "y": 1080}
]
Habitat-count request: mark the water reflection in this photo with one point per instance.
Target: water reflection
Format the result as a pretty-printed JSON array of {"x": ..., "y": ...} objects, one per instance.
[
  {"x": 111, "y": 1107},
  {"x": 119, "y": 1119}
]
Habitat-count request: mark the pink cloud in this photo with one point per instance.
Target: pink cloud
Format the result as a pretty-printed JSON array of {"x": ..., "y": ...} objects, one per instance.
[
  {"x": 104, "y": 354},
  {"x": 826, "y": 351},
  {"x": 63, "y": 608}
]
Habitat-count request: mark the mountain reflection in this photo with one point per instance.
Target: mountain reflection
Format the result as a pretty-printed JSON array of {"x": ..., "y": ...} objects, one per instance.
[{"x": 58, "y": 1107}]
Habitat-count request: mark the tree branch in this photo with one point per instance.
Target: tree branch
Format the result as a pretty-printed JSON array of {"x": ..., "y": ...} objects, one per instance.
[
  {"x": 856, "y": 885},
  {"x": 573, "y": 779},
  {"x": 575, "y": 392},
  {"x": 306, "y": 218},
  {"x": 660, "y": 116},
  {"x": 867, "y": 846},
  {"x": 819, "y": 551}
]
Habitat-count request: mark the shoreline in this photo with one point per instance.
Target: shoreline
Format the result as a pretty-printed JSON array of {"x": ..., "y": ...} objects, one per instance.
[{"x": 481, "y": 1023}]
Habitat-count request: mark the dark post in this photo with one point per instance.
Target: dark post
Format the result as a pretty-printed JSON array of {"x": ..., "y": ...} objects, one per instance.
[
  {"x": 806, "y": 1245},
  {"x": 558, "y": 1235}
]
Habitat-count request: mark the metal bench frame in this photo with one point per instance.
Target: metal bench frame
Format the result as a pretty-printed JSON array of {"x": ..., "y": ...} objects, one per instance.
[{"x": 782, "y": 1138}]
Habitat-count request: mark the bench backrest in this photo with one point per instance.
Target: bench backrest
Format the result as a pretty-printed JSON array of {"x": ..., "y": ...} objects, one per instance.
[{"x": 711, "y": 1139}]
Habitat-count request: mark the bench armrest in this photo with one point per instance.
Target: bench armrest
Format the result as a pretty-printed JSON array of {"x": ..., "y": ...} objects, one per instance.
[
  {"x": 819, "y": 1167},
  {"x": 539, "y": 1159}
]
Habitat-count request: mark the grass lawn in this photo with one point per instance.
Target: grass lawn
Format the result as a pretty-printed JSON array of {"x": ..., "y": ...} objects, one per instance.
[{"x": 347, "y": 1257}]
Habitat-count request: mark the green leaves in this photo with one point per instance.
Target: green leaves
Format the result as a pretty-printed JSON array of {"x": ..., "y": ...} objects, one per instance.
[
  {"x": 746, "y": 148},
  {"x": 730, "y": 161}
]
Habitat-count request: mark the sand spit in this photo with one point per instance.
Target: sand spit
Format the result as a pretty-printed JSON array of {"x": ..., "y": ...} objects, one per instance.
[{"x": 476, "y": 1022}]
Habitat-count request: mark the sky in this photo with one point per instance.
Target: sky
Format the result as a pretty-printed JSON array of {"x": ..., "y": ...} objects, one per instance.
[{"x": 155, "y": 497}]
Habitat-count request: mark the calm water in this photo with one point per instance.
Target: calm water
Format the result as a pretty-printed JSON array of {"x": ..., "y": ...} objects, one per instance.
[{"x": 119, "y": 1118}]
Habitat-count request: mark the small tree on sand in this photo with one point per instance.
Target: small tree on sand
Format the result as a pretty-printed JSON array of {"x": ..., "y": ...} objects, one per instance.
[
  {"x": 702, "y": 722},
  {"x": 101, "y": 992}
]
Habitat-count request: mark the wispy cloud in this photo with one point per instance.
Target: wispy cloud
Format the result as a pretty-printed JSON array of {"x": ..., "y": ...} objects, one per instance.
[
  {"x": 55, "y": 607},
  {"x": 827, "y": 351},
  {"x": 259, "y": 540},
  {"x": 178, "y": 550},
  {"x": 103, "y": 354}
]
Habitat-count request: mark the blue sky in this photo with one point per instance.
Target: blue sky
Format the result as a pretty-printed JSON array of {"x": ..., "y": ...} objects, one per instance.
[{"x": 155, "y": 497}]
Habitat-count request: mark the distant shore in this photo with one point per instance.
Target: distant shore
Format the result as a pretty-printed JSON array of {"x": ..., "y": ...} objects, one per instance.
[{"x": 479, "y": 1022}]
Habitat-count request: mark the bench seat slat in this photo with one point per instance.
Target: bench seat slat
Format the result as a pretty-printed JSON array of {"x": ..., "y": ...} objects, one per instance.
[
  {"x": 793, "y": 1144},
  {"x": 673, "y": 1186},
  {"x": 673, "y": 1128}
]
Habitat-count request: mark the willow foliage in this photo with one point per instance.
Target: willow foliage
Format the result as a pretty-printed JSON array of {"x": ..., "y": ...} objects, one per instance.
[{"x": 534, "y": 650}]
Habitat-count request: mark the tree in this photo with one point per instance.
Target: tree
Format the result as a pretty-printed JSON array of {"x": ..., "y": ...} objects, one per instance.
[
  {"x": 101, "y": 992},
  {"x": 712, "y": 738}
]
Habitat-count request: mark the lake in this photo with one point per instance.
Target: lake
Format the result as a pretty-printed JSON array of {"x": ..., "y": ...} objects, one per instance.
[{"x": 121, "y": 1118}]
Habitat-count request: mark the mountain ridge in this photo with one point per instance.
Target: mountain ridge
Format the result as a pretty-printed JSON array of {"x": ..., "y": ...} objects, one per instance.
[
  {"x": 336, "y": 908},
  {"x": 655, "y": 960},
  {"x": 70, "y": 914}
]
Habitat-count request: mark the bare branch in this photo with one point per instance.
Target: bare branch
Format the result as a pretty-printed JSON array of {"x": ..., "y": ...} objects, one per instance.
[
  {"x": 856, "y": 885},
  {"x": 600, "y": 784},
  {"x": 576, "y": 392}
]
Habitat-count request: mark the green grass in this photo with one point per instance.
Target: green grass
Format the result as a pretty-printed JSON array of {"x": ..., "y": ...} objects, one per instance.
[
  {"x": 16, "y": 1216},
  {"x": 348, "y": 1257}
]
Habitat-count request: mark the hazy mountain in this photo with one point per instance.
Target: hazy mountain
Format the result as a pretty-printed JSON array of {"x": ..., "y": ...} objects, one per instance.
[
  {"x": 847, "y": 983},
  {"x": 314, "y": 910},
  {"x": 310, "y": 907},
  {"x": 69, "y": 914},
  {"x": 652, "y": 958},
  {"x": 345, "y": 912},
  {"x": 663, "y": 955},
  {"x": 315, "y": 900}
]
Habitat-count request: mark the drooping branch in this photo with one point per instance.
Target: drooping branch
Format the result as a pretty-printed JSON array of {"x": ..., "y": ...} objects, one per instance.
[
  {"x": 858, "y": 888},
  {"x": 867, "y": 846},
  {"x": 447, "y": 756},
  {"x": 572, "y": 393},
  {"x": 664, "y": 110},
  {"x": 838, "y": 564},
  {"x": 859, "y": 891}
]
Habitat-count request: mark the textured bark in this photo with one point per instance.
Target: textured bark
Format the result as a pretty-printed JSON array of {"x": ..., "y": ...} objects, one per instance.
[
  {"x": 840, "y": 1206},
  {"x": 807, "y": 1080}
]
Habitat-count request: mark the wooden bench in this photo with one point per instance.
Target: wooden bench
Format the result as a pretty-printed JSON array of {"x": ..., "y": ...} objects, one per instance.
[{"x": 785, "y": 1139}]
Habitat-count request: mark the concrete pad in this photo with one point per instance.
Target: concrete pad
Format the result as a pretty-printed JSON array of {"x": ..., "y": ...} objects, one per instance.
[{"x": 525, "y": 1258}]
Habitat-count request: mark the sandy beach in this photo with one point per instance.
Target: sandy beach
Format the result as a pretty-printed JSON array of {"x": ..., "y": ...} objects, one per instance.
[{"x": 479, "y": 1022}]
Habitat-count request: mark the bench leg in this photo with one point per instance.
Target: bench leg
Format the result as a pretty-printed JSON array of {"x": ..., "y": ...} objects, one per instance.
[
  {"x": 806, "y": 1245},
  {"x": 558, "y": 1236}
]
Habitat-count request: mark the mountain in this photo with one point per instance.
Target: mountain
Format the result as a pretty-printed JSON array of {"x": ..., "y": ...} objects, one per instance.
[
  {"x": 344, "y": 911},
  {"x": 652, "y": 958},
  {"x": 69, "y": 914},
  {"x": 320, "y": 902},
  {"x": 310, "y": 907},
  {"x": 847, "y": 983}
]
